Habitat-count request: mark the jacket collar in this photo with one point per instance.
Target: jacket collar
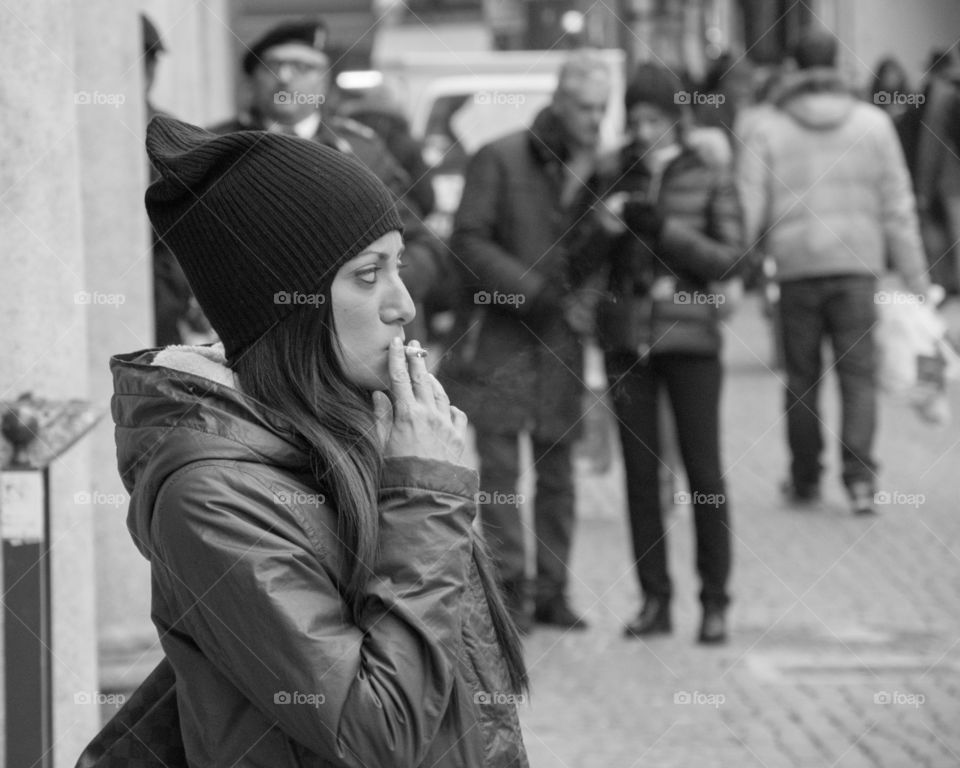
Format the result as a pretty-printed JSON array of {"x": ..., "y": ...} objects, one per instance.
[
  {"x": 548, "y": 138},
  {"x": 813, "y": 80}
]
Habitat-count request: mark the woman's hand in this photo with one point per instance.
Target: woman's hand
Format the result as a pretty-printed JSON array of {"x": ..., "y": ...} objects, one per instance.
[
  {"x": 609, "y": 211},
  {"x": 417, "y": 418}
]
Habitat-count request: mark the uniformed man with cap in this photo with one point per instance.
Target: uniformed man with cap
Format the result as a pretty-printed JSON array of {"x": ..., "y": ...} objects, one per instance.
[{"x": 288, "y": 75}]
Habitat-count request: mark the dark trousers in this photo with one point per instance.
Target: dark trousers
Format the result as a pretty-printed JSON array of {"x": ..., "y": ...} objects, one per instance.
[
  {"x": 693, "y": 386},
  {"x": 552, "y": 517},
  {"x": 843, "y": 310}
]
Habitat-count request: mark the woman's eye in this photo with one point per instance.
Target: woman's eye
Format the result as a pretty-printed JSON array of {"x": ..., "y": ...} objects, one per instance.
[{"x": 369, "y": 275}]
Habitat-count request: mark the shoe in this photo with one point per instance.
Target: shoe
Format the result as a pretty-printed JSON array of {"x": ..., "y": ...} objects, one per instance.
[
  {"x": 653, "y": 619},
  {"x": 861, "y": 499},
  {"x": 558, "y": 613},
  {"x": 800, "y": 495},
  {"x": 713, "y": 627}
]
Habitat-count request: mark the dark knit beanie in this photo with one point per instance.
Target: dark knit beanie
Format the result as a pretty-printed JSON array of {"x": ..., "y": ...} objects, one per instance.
[
  {"x": 653, "y": 84},
  {"x": 253, "y": 217},
  {"x": 310, "y": 32},
  {"x": 815, "y": 48}
]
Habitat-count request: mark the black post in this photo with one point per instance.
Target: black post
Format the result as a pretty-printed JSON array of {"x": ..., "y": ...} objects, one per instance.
[{"x": 26, "y": 620}]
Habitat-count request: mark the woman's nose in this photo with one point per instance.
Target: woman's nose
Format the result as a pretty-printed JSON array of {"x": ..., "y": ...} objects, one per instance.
[{"x": 398, "y": 305}]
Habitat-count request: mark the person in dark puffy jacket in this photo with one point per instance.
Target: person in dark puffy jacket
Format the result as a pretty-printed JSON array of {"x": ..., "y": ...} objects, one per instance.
[
  {"x": 318, "y": 586},
  {"x": 665, "y": 233}
]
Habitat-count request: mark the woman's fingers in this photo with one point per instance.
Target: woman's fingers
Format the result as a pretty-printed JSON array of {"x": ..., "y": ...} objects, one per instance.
[
  {"x": 419, "y": 375},
  {"x": 383, "y": 413},
  {"x": 439, "y": 395},
  {"x": 400, "y": 385}
]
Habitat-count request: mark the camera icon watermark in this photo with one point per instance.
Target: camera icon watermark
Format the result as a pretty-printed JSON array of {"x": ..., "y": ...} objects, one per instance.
[
  {"x": 515, "y": 100},
  {"x": 511, "y": 499},
  {"x": 899, "y": 699},
  {"x": 487, "y": 698},
  {"x": 298, "y": 98},
  {"x": 98, "y": 698},
  {"x": 698, "y": 297},
  {"x": 715, "y": 500},
  {"x": 98, "y": 99},
  {"x": 96, "y": 298},
  {"x": 715, "y": 700},
  {"x": 295, "y": 298},
  {"x": 915, "y": 500},
  {"x": 298, "y": 498},
  {"x": 100, "y": 499},
  {"x": 898, "y": 98},
  {"x": 486, "y": 298},
  {"x": 898, "y": 297},
  {"x": 693, "y": 98},
  {"x": 285, "y": 698}
]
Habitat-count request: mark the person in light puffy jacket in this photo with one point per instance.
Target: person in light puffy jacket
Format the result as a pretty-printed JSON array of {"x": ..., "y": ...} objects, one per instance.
[
  {"x": 825, "y": 186},
  {"x": 318, "y": 586}
]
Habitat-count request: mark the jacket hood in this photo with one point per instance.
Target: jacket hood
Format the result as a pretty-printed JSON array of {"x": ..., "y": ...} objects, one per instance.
[
  {"x": 816, "y": 98},
  {"x": 179, "y": 405}
]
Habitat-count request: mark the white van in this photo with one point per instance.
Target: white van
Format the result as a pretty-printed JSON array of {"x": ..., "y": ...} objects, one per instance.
[{"x": 457, "y": 102}]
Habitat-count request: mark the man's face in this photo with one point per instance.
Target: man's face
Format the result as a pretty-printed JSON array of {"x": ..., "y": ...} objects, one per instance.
[
  {"x": 580, "y": 104},
  {"x": 290, "y": 82},
  {"x": 652, "y": 127}
]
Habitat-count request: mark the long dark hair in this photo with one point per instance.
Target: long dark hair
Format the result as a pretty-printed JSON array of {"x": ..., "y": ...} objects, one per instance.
[{"x": 294, "y": 370}]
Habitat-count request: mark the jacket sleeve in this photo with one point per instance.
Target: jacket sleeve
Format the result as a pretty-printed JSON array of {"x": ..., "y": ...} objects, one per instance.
[
  {"x": 253, "y": 581},
  {"x": 716, "y": 254},
  {"x": 752, "y": 179},
  {"x": 900, "y": 224},
  {"x": 487, "y": 264}
]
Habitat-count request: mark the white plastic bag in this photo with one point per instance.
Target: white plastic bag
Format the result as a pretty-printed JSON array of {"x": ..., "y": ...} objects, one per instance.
[{"x": 916, "y": 360}]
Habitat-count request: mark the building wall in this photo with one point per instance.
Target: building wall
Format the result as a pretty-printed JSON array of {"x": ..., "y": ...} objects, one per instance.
[{"x": 906, "y": 30}]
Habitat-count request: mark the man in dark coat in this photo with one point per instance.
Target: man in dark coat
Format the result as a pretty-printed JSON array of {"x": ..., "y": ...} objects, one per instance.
[
  {"x": 515, "y": 364},
  {"x": 178, "y": 318},
  {"x": 288, "y": 77}
]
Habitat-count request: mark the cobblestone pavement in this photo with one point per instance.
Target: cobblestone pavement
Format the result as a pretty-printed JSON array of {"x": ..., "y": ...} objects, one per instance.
[{"x": 845, "y": 632}]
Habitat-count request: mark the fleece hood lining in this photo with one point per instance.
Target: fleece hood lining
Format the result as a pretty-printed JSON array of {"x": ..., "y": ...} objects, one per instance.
[{"x": 207, "y": 362}]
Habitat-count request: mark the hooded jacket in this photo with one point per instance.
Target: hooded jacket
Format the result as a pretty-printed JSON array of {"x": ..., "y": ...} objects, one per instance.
[
  {"x": 247, "y": 595},
  {"x": 823, "y": 179}
]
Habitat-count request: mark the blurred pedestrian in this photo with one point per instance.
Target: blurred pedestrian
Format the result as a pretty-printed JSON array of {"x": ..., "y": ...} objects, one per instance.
[
  {"x": 726, "y": 90},
  {"x": 936, "y": 169},
  {"x": 823, "y": 180},
  {"x": 177, "y": 316},
  {"x": 890, "y": 88},
  {"x": 287, "y": 73},
  {"x": 516, "y": 365},
  {"x": 318, "y": 587},
  {"x": 380, "y": 110},
  {"x": 666, "y": 232}
]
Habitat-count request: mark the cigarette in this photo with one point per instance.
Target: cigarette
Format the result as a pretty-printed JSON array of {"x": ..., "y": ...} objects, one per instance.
[{"x": 416, "y": 351}]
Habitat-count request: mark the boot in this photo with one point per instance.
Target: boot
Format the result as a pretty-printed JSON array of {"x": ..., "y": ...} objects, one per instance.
[{"x": 653, "y": 619}]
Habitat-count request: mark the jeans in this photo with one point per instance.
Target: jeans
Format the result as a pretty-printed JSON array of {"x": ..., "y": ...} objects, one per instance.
[
  {"x": 553, "y": 515},
  {"x": 843, "y": 310},
  {"x": 693, "y": 386}
]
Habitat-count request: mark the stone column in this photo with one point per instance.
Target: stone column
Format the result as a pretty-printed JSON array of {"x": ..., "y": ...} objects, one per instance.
[
  {"x": 110, "y": 115},
  {"x": 196, "y": 76},
  {"x": 45, "y": 332}
]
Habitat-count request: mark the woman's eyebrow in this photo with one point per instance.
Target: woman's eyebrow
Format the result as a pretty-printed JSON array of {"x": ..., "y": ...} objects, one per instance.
[{"x": 381, "y": 255}]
